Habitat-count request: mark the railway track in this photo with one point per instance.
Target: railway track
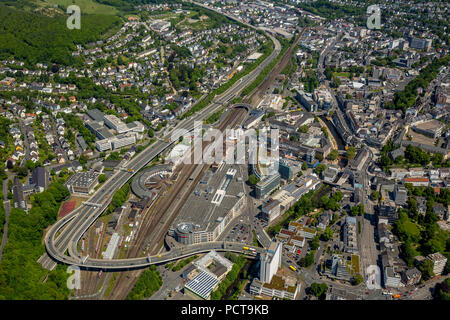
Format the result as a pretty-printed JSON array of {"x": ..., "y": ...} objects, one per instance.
[
  {"x": 254, "y": 97},
  {"x": 158, "y": 220}
]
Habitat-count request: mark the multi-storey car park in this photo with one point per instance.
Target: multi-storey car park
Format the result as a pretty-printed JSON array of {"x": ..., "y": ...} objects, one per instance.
[{"x": 218, "y": 198}]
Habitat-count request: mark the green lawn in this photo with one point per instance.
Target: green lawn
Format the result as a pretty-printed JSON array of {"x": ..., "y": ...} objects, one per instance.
[{"x": 341, "y": 74}]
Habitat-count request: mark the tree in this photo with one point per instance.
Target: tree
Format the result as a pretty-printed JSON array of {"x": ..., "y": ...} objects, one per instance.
[
  {"x": 327, "y": 234},
  {"x": 351, "y": 153},
  {"x": 375, "y": 195},
  {"x": 357, "y": 279},
  {"x": 357, "y": 210},
  {"x": 101, "y": 178},
  {"x": 307, "y": 260},
  {"x": 443, "y": 290},
  {"x": 315, "y": 242},
  {"x": 303, "y": 129},
  {"x": 252, "y": 179},
  {"x": 426, "y": 267},
  {"x": 304, "y": 166},
  {"x": 318, "y": 289},
  {"x": 333, "y": 155},
  {"x": 320, "y": 168}
]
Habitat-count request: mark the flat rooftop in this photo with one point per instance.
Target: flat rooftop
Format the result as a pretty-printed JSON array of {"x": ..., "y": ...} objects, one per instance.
[
  {"x": 205, "y": 206},
  {"x": 430, "y": 125}
]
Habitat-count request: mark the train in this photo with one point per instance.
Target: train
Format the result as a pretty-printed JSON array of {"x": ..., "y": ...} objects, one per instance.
[{"x": 252, "y": 250}]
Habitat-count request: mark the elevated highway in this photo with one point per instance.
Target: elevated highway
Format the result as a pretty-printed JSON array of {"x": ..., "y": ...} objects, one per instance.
[
  {"x": 174, "y": 254},
  {"x": 64, "y": 235}
]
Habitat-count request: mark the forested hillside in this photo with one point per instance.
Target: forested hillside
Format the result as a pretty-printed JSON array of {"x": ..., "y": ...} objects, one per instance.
[{"x": 33, "y": 37}]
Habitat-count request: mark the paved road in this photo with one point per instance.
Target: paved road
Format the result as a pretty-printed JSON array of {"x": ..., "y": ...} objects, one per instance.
[{"x": 83, "y": 217}]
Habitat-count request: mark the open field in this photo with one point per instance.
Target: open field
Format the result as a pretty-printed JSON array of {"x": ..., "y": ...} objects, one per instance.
[{"x": 420, "y": 138}]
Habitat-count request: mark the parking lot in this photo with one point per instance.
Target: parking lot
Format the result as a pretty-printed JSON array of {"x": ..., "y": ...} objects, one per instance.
[{"x": 239, "y": 233}]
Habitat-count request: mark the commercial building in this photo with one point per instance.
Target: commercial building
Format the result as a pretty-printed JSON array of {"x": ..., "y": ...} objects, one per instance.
[
  {"x": 417, "y": 182},
  {"x": 350, "y": 235},
  {"x": 266, "y": 185},
  {"x": 122, "y": 140},
  {"x": 202, "y": 285},
  {"x": 310, "y": 156},
  {"x": 421, "y": 44},
  {"x": 358, "y": 162},
  {"x": 285, "y": 170},
  {"x": 432, "y": 128},
  {"x": 400, "y": 195},
  {"x": 116, "y": 142},
  {"x": 214, "y": 264},
  {"x": 96, "y": 115},
  {"x": 98, "y": 130},
  {"x": 115, "y": 123},
  {"x": 439, "y": 262},
  {"x": 253, "y": 118},
  {"x": 82, "y": 182},
  {"x": 330, "y": 174},
  {"x": 270, "y": 262},
  {"x": 387, "y": 212},
  {"x": 280, "y": 287},
  {"x": 306, "y": 100},
  {"x": 210, "y": 208},
  {"x": 271, "y": 210},
  {"x": 103, "y": 145},
  {"x": 391, "y": 278}
]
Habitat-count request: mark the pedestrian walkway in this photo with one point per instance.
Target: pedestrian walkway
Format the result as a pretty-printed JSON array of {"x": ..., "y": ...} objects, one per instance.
[{"x": 373, "y": 277}]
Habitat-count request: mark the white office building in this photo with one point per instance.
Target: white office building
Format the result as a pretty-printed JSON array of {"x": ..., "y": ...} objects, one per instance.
[
  {"x": 103, "y": 145},
  {"x": 123, "y": 140},
  {"x": 115, "y": 123},
  {"x": 270, "y": 262}
]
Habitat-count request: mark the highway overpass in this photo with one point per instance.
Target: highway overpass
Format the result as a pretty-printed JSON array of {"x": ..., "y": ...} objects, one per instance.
[{"x": 65, "y": 233}]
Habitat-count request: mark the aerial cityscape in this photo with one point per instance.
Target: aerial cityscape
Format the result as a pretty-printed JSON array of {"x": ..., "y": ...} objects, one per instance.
[{"x": 224, "y": 150}]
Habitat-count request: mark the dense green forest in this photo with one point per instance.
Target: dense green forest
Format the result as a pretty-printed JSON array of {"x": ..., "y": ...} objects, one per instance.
[
  {"x": 21, "y": 276},
  {"x": 33, "y": 37},
  {"x": 148, "y": 283}
]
